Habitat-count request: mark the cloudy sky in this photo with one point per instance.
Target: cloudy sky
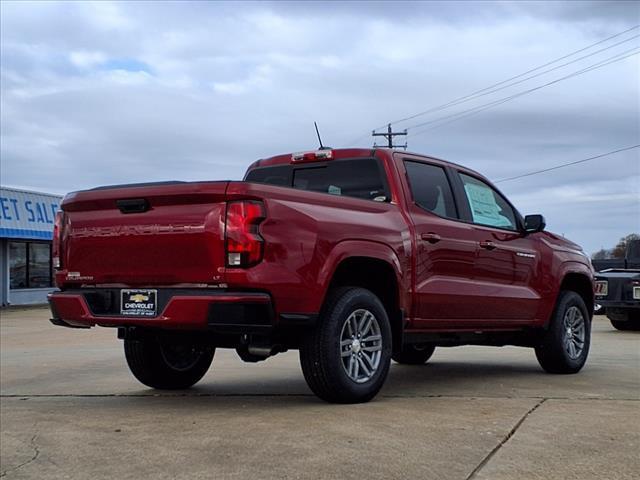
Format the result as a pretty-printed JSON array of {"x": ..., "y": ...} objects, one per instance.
[{"x": 101, "y": 93}]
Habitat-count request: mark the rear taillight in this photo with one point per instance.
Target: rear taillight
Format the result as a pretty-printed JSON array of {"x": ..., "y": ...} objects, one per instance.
[
  {"x": 244, "y": 244},
  {"x": 57, "y": 240}
]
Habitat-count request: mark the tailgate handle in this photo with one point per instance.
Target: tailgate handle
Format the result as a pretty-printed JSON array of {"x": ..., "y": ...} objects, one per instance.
[{"x": 133, "y": 205}]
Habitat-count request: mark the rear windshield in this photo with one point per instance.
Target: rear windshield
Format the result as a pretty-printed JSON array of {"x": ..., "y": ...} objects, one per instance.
[
  {"x": 360, "y": 178},
  {"x": 280, "y": 175}
]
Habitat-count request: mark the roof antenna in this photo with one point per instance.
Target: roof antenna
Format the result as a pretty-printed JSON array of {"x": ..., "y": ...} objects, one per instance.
[{"x": 322, "y": 147}]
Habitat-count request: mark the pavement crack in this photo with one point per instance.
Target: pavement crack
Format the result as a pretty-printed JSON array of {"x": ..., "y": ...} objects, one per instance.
[
  {"x": 510, "y": 434},
  {"x": 34, "y": 457}
]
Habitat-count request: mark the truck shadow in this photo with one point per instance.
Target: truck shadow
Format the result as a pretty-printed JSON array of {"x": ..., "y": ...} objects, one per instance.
[
  {"x": 436, "y": 379},
  {"x": 456, "y": 377}
]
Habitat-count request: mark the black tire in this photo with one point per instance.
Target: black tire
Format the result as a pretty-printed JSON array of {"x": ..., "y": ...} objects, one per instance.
[
  {"x": 322, "y": 358},
  {"x": 414, "y": 354},
  {"x": 625, "y": 319},
  {"x": 167, "y": 365},
  {"x": 554, "y": 352},
  {"x": 623, "y": 325}
]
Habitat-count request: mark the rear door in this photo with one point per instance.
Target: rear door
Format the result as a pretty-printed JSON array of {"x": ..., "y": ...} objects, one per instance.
[
  {"x": 445, "y": 248},
  {"x": 508, "y": 263}
]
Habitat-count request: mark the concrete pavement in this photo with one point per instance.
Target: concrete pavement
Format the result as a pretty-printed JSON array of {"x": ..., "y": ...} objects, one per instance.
[{"x": 71, "y": 409}]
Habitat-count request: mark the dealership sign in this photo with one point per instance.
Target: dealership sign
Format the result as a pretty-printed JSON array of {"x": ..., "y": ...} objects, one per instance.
[{"x": 26, "y": 214}]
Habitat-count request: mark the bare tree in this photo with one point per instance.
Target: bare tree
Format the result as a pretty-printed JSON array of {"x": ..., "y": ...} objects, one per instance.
[
  {"x": 601, "y": 254},
  {"x": 620, "y": 249}
]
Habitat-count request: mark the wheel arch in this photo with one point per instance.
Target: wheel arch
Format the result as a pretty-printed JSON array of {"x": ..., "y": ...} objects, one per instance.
[
  {"x": 378, "y": 270},
  {"x": 580, "y": 282}
]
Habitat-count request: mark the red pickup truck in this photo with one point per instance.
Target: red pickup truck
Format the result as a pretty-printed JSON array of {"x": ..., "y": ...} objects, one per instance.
[{"x": 352, "y": 256}]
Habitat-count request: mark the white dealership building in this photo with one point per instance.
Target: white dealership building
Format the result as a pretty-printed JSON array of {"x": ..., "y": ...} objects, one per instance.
[{"x": 26, "y": 230}]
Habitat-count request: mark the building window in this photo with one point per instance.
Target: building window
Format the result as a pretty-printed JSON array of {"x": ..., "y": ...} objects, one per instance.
[
  {"x": 30, "y": 265},
  {"x": 18, "y": 264}
]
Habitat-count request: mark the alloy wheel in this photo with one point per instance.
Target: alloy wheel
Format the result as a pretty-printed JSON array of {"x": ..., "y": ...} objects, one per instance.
[
  {"x": 361, "y": 345},
  {"x": 574, "y": 332}
]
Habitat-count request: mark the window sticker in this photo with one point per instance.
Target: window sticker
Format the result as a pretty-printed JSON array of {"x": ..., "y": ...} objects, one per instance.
[{"x": 484, "y": 208}]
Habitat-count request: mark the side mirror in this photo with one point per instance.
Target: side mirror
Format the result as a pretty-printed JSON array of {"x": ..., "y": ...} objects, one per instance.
[{"x": 534, "y": 223}]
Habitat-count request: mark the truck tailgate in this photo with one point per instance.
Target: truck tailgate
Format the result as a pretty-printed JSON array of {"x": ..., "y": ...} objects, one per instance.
[{"x": 157, "y": 234}]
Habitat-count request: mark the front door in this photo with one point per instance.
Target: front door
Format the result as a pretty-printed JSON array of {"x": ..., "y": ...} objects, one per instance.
[{"x": 507, "y": 263}]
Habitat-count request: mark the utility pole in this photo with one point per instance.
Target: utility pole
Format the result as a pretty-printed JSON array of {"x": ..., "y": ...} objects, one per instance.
[{"x": 389, "y": 134}]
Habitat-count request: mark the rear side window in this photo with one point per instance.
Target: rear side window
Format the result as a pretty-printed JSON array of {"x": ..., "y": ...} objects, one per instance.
[
  {"x": 430, "y": 188},
  {"x": 360, "y": 178},
  {"x": 487, "y": 206},
  {"x": 277, "y": 175}
]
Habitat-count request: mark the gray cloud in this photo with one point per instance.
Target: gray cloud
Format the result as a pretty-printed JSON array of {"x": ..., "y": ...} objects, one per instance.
[{"x": 93, "y": 93}]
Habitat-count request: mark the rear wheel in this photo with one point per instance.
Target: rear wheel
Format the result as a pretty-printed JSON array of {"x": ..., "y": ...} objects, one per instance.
[
  {"x": 167, "y": 365},
  {"x": 414, "y": 354},
  {"x": 565, "y": 345},
  {"x": 346, "y": 357}
]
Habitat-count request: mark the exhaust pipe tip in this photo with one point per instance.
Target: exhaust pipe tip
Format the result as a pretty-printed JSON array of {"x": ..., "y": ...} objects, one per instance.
[{"x": 262, "y": 350}]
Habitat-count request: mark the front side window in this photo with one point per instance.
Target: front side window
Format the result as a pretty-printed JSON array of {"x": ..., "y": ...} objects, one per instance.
[
  {"x": 487, "y": 206},
  {"x": 430, "y": 188}
]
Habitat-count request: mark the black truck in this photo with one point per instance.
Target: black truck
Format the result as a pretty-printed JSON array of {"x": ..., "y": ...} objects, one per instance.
[{"x": 618, "y": 288}]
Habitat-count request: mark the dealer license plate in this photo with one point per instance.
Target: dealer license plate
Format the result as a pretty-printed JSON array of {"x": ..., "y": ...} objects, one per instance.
[{"x": 138, "y": 303}]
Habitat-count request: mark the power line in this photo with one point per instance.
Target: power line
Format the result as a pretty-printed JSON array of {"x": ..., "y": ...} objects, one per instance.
[
  {"x": 567, "y": 164},
  {"x": 472, "y": 111},
  {"x": 514, "y": 77},
  {"x": 459, "y": 99},
  {"x": 480, "y": 108},
  {"x": 489, "y": 92}
]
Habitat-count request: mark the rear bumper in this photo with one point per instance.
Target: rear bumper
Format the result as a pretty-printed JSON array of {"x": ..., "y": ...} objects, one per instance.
[
  {"x": 618, "y": 303},
  {"x": 178, "y": 309}
]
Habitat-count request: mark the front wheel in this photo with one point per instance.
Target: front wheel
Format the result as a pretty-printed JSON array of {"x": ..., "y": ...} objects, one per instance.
[
  {"x": 625, "y": 320},
  {"x": 346, "y": 358},
  {"x": 626, "y": 326},
  {"x": 622, "y": 326},
  {"x": 565, "y": 345},
  {"x": 167, "y": 365}
]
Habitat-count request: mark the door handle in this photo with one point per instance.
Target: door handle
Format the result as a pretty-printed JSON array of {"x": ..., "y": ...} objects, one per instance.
[
  {"x": 487, "y": 244},
  {"x": 430, "y": 237}
]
